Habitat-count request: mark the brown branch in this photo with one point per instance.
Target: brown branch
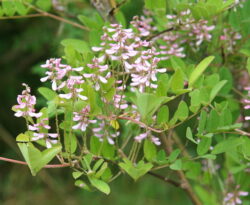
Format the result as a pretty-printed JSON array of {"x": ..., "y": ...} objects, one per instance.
[
  {"x": 165, "y": 179},
  {"x": 42, "y": 13},
  {"x": 160, "y": 33},
  {"x": 140, "y": 123},
  {"x": 20, "y": 17},
  {"x": 24, "y": 163},
  {"x": 185, "y": 185},
  {"x": 130, "y": 119}
]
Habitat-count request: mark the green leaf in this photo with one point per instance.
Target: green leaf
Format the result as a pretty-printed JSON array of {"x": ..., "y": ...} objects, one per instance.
[
  {"x": 177, "y": 63},
  {"x": 195, "y": 101},
  {"x": 78, "y": 45},
  {"x": 209, "y": 156},
  {"x": 225, "y": 74},
  {"x": 22, "y": 138},
  {"x": 189, "y": 135},
  {"x": 228, "y": 127},
  {"x": 47, "y": 93},
  {"x": 98, "y": 164},
  {"x": 95, "y": 145},
  {"x": 91, "y": 24},
  {"x": 20, "y": 8},
  {"x": 102, "y": 170},
  {"x": 82, "y": 184},
  {"x": 108, "y": 150},
  {"x": 147, "y": 104},
  {"x": 182, "y": 111},
  {"x": 150, "y": 151},
  {"x": 36, "y": 159},
  {"x": 161, "y": 157},
  {"x": 200, "y": 68},
  {"x": 202, "y": 122},
  {"x": 120, "y": 18},
  {"x": 163, "y": 115},
  {"x": 246, "y": 148},
  {"x": 227, "y": 145},
  {"x": 177, "y": 165},
  {"x": 157, "y": 5},
  {"x": 70, "y": 142},
  {"x": 135, "y": 171},
  {"x": 204, "y": 145},
  {"x": 216, "y": 89},
  {"x": 173, "y": 156},
  {"x": 177, "y": 81},
  {"x": 77, "y": 174},
  {"x": 44, "y": 4},
  {"x": 162, "y": 85},
  {"x": 8, "y": 7},
  {"x": 100, "y": 185}
]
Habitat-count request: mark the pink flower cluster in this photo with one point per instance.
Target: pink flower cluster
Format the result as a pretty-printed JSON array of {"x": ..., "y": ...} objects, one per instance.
[
  {"x": 233, "y": 198},
  {"x": 63, "y": 76},
  {"x": 103, "y": 133},
  {"x": 41, "y": 132},
  {"x": 188, "y": 31},
  {"x": 98, "y": 71},
  {"x": 82, "y": 118},
  {"x": 26, "y": 103},
  {"x": 229, "y": 39},
  {"x": 145, "y": 135},
  {"x": 138, "y": 60},
  {"x": 247, "y": 102},
  {"x": 25, "y": 108}
]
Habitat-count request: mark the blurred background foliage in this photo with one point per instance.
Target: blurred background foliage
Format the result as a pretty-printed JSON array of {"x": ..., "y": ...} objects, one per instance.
[{"x": 25, "y": 44}]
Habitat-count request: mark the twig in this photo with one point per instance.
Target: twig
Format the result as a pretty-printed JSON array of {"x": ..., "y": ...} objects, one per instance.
[
  {"x": 20, "y": 17},
  {"x": 160, "y": 33},
  {"x": 185, "y": 185},
  {"x": 140, "y": 123},
  {"x": 130, "y": 119},
  {"x": 165, "y": 179},
  {"x": 242, "y": 132},
  {"x": 42, "y": 13},
  {"x": 24, "y": 163}
]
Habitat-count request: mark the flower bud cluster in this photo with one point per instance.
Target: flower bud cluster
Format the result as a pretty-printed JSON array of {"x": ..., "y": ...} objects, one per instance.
[
  {"x": 233, "y": 198},
  {"x": 185, "y": 30},
  {"x": 229, "y": 39},
  {"x": 26, "y": 103}
]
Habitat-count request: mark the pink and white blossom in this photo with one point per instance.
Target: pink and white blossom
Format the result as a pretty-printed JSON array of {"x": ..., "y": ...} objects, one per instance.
[{"x": 26, "y": 103}]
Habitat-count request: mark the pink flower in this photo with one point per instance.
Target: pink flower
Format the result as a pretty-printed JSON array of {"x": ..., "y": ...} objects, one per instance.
[
  {"x": 50, "y": 138},
  {"x": 73, "y": 84},
  {"x": 56, "y": 71},
  {"x": 233, "y": 198},
  {"x": 26, "y": 103},
  {"x": 102, "y": 133},
  {"x": 139, "y": 138},
  {"x": 82, "y": 118}
]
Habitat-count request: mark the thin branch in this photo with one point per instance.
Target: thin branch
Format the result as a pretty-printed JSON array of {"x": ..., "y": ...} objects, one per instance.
[
  {"x": 130, "y": 119},
  {"x": 20, "y": 17},
  {"x": 140, "y": 123},
  {"x": 242, "y": 132},
  {"x": 185, "y": 185},
  {"x": 42, "y": 13},
  {"x": 160, "y": 33},
  {"x": 165, "y": 179},
  {"x": 24, "y": 163}
]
